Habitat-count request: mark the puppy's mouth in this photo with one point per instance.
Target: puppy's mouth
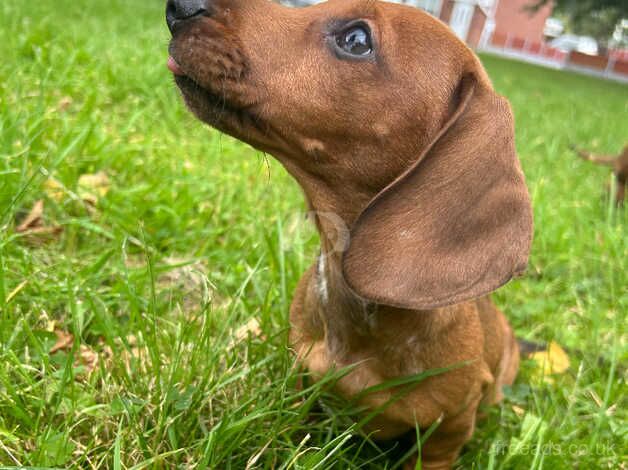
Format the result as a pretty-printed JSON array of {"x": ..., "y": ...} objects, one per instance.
[
  {"x": 174, "y": 67},
  {"x": 214, "y": 78},
  {"x": 232, "y": 116}
]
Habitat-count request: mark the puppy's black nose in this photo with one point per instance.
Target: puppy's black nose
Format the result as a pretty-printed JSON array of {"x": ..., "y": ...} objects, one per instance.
[{"x": 180, "y": 10}]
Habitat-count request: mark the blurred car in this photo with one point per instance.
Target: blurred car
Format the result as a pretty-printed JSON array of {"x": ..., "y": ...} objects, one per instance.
[
  {"x": 570, "y": 42},
  {"x": 553, "y": 28}
]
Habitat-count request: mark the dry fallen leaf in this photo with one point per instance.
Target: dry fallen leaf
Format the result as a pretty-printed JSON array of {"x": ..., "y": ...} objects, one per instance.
[
  {"x": 553, "y": 361},
  {"x": 135, "y": 360},
  {"x": 33, "y": 219},
  {"x": 129, "y": 353},
  {"x": 64, "y": 103},
  {"x": 596, "y": 398},
  {"x": 255, "y": 457},
  {"x": 64, "y": 341},
  {"x": 131, "y": 340},
  {"x": 93, "y": 187},
  {"x": 42, "y": 235},
  {"x": 251, "y": 328},
  {"x": 87, "y": 357},
  {"x": 33, "y": 228}
]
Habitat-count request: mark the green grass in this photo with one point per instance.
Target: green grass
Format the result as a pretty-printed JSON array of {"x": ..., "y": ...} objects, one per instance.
[{"x": 200, "y": 233}]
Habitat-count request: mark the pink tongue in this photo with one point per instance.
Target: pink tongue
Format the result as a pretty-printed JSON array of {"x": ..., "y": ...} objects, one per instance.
[{"x": 174, "y": 67}]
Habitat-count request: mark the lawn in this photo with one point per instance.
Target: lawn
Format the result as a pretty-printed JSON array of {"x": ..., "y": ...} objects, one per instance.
[{"x": 127, "y": 304}]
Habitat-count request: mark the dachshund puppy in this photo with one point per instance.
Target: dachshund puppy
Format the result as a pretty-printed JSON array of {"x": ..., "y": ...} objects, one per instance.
[
  {"x": 618, "y": 163},
  {"x": 391, "y": 126}
]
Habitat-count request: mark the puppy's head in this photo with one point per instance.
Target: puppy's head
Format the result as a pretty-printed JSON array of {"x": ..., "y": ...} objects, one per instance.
[
  {"x": 381, "y": 114},
  {"x": 340, "y": 83}
]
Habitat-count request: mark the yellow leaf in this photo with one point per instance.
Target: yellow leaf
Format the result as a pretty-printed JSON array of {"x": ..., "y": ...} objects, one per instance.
[
  {"x": 54, "y": 190},
  {"x": 16, "y": 291},
  {"x": 93, "y": 187},
  {"x": 553, "y": 361},
  {"x": 518, "y": 410},
  {"x": 250, "y": 329}
]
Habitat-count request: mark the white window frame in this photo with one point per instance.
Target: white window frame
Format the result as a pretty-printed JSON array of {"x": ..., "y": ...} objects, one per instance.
[
  {"x": 433, "y": 7},
  {"x": 462, "y": 7}
]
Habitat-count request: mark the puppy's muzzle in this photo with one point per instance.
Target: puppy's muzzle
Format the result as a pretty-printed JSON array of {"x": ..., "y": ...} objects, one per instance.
[{"x": 179, "y": 11}]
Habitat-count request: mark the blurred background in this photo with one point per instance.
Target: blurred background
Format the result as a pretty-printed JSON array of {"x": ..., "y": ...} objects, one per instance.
[{"x": 588, "y": 36}]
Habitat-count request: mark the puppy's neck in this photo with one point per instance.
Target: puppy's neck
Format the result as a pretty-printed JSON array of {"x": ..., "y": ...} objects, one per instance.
[
  {"x": 332, "y": 192},
  {"x": 347, "y": 320},
  {"x": 353, "y": 326},
  {"x": 350, "y": 323}
]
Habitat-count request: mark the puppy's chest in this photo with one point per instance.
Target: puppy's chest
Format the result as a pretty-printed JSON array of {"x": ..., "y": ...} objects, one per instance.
[
  {"x": 426, "y": 402},
  {"x": 368, "y": 367},
  {"x": 331, "y": 331},
  {"x": 374, "y": 359},
  {"x": 387, "y": 342}
]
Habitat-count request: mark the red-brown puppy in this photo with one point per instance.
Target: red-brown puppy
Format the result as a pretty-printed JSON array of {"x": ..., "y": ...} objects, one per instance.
[{"x": 392, "y": 128}]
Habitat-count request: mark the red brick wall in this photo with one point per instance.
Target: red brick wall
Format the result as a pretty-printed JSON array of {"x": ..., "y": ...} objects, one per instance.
[
  {"x": 591, "y": 61},
  {"x": 512, "y": 19},
  {"x": 621, "y": 67}
]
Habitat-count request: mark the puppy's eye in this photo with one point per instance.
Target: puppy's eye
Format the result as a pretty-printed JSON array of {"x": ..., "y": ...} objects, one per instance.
[{"x": 356, "y": 41}]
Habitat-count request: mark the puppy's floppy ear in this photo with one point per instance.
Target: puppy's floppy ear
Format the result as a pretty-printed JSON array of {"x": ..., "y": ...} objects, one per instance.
[{"x": 457, "y": 224}]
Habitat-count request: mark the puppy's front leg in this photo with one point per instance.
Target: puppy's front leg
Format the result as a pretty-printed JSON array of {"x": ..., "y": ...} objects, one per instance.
[{"x": 442, "y": 448}]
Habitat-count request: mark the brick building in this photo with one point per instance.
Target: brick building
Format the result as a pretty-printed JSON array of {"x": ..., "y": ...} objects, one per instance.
[
  {"x": 513, "y": 22},
  {"x": 477, "y": 21},
  {"x": 508, "y": 27}
]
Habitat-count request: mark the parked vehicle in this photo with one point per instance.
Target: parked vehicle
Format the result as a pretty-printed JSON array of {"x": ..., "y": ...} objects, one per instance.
[
  {"x": 553, "y": 28},
  {"x": 571, "y": 42}
]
